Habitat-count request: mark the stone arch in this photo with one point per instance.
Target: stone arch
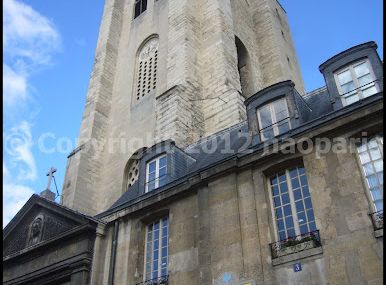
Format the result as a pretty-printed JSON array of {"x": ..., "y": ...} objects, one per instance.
[
  {"x": 131, "y": 171},
  {"x": 244, "y": 67},
  {"x": 146, "y": 68}
]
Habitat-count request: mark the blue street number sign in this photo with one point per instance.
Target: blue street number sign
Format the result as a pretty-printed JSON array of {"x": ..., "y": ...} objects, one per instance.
[{"x": 297, "y": 267}]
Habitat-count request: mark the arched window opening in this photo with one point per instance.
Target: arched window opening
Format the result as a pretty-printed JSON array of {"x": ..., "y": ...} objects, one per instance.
[
  {"x": 244, "y": 68},
  {"x": 147, "y": 62},
  {"x": 131, "y": 174}
]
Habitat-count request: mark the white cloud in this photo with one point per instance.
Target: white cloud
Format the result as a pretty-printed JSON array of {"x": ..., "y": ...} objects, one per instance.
[
  {"x": 14, "y": 198},
  {"x": 30, "y": 41},
  {"x": 17, "y": 146},
  {"x": 14, "y": 88},
  {"x": 27, "y": 34}
]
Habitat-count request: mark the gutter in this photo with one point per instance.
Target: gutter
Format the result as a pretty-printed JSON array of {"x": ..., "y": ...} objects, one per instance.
[{"x": 113, "y": 253}]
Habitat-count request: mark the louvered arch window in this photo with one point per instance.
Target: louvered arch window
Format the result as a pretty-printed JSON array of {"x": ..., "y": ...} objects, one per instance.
[{"x": 147, "y": 62}]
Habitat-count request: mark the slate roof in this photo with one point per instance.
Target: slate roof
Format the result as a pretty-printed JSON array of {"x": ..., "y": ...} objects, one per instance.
[{"x": 318, "y": 100}]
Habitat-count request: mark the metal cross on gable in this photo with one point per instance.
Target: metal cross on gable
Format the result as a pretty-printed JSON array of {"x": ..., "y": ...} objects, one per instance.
[{"x": 50, "y": 175}]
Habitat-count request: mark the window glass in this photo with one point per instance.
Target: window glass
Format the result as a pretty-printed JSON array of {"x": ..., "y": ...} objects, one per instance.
[
  {"x": 371, "y": 158},
  {"x": 356, "y": 82},
  {"x": 273, "y": 119},
  {"x": 156, "y": 250},
  {"x": 293, "y": 207},
  {"x": 156, "y": 173}
]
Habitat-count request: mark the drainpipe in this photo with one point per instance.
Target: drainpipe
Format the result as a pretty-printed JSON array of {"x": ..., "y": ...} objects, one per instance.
[{"x": 113, "y": 253}]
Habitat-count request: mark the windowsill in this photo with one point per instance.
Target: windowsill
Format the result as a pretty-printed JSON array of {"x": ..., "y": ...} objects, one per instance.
[
  {"x": 297, "y": 255},
  {"x": 378, "y": 233}
]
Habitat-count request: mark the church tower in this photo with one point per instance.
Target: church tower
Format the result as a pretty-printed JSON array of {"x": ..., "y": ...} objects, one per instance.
[{"x": 171, "y": 69}]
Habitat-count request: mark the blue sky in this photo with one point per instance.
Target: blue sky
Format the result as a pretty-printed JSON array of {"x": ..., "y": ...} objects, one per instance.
[{"x": 48, "y": 56}]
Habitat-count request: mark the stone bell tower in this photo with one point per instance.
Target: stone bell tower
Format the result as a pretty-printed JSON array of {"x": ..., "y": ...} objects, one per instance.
[{"x": 171, "y": 69}]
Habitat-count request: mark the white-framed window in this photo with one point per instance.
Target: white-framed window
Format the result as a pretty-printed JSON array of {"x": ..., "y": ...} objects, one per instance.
[
  {"x": 156, "y": 171},
  {"x": 291, "y": 203},
  {"x": 147, "y": 63},
  {"x": 156, "y": 249},
  {"x": 371, "y": 159},
  {"x": 140, "y": 6},
  {"x": 356, "y": 81},
  {"x": 273, "y": 119}
]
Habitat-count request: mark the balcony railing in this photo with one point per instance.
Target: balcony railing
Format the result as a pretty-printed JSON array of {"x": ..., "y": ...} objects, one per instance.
[
  {"x": 377, "y": 219},
  {"x": 156, "y": 281},
  {"x": 295, "y": 244}
]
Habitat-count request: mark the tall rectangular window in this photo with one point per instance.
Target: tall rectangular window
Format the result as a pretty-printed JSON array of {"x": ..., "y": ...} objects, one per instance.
[
  {"x": 371, "y": 158},
  {"x": 273, "y": 119},
  {"x": 156, "y": 173},
  {"x": 292, "y": 206},
  {"x": 356, "y": 82},
  {"x": 156, "y": 251},
  {"x": 140, "y": 6}
]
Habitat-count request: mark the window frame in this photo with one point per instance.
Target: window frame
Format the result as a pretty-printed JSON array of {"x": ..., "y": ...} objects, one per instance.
[
  {"x": 274, "y": 124},
  {"x": 294, "y": 213},
  {"x": 141, "y": 11},
  {"x": 161, "y": 231},
  {"x": 157, "y": 170},
  {"x": 357, "y": 87},
  {"x": 378, "y": 138}
]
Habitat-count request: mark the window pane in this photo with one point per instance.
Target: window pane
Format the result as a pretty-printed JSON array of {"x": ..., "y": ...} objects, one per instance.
[
  {"x": 365, "y": 80},
  {"x": 297, "y": 195},
  {"x": 162, "y": 181},
  {"x": 379, "y": 205},
  {"x": 299, "y": 206},
  {"x": 276, "y": 202},
  {"x": 303, "y": 180},
  {"x": 308, "y": 203},
  {"x": 293, "y": 172},
  {"x": 282, "y": 177},
  {"x": 302, "y": 217},
  {"x": 283, "y": 127},
  {"x": 347, "y": 87},
  {"x": 283, "y": 187},
  {"x": 372, "y": 181},
  {"x": 265, "y": 117},
  {"x": 162, "y": 162},
  {"x": 287, "y": 210},
  {"x": 289, "y": 222},
  {"x": 280, "y": 225},
  {"x": 364, "y": 157},
  {"x": 361, "y": 69},
  {"x": 152, "y": 166},
  {"x": 151, "y": 186},
  {"x": 295, "y": 183},
  {"x": 267, "y": 134},
  {"x": 375, "y": 154},
  {"x": 352, "y": 99},
  {"x": 280, "y": 109},
  {"x": 344, "y": 77},
  {"x": 304, "y": 229},
  {"x": 275, "y": 190},
  {"x": 376, "y": 194},
  {"x": 279, "y": 213},
  {"x": 378, "y": 165},
  {"x": 285, "y": 199},
  {"x": 369, "y": 91},
  {"x": 368, "y": 168},
  {"x": 306, "y": 193}
]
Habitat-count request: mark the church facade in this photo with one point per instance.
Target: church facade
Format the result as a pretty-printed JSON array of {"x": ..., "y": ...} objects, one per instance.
[{"x": 203, "y": 161}]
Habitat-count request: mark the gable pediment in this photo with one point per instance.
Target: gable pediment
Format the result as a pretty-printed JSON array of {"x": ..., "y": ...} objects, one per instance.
[{"x": 37, "y": 222}]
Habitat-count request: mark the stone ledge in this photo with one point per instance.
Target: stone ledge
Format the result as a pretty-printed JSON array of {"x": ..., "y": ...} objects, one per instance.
[
  {"x": 378, "y": 233},
  {"x": 297, "y": 256}
]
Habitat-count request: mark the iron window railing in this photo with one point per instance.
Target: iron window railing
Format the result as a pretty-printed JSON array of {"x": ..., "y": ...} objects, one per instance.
[
  {"x": 164, "y": 280},
  {"x": 377, "y": 220},
  {"x": 295, "y": 244}
]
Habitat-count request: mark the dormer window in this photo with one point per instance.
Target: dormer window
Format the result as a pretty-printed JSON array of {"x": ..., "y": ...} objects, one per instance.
[
  {"x": 355, "y": 82},
  {"x": 156, "y": 173},
  {"x": 273, "y": 119}
]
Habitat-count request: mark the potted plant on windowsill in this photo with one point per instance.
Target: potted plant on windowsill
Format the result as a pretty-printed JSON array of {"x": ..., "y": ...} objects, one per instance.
[{"x": 292, "y": 245}]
